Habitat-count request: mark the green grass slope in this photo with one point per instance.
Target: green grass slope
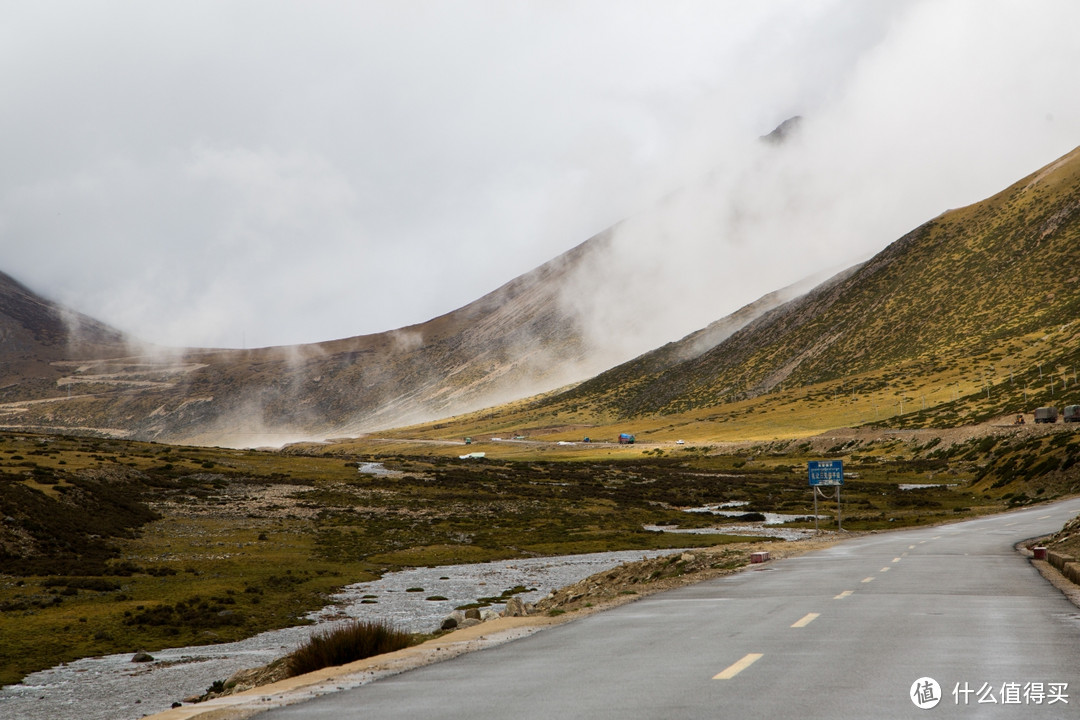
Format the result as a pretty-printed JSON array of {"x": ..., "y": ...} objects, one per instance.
[{"x": 977, "y": 306}]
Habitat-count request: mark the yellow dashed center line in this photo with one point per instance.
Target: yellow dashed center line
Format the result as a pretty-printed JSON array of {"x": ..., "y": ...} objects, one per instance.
[
  {"x": 896, "y": 560},
  {"x": 738, "y": 667},
  {"x": 1044, "y": 517},
  {"x": 869, "y": 579},
  {"x": 844, "y": 594},
  {"x": 806, "y": 620},
  {"x": 884, "y": 569},
  {"x": 910, "y": 547}
]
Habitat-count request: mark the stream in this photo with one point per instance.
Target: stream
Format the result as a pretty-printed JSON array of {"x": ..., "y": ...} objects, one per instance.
[{"x": 114, "y": 688}]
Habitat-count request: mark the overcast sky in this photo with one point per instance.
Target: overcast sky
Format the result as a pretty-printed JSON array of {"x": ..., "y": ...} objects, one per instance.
[{"x": 236, "y": 174}]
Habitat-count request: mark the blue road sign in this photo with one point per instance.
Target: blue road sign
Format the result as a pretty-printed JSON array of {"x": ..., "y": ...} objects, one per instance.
[{"x": 826, "y": 472}]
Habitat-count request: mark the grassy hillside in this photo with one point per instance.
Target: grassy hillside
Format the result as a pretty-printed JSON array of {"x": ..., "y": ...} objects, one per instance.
[
  {"x": 973, "y": 290},
  {"x": 972, "y": 316}
]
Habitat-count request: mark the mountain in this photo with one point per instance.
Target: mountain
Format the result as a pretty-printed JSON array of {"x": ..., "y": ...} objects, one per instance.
[
  {"x": 65, "y": 372},
  {"x": 784, "y": 130},
  {"x": 34, "y": 333},
  {"x": 642, "y": 282},
  {"x": 974, "y": 313}
]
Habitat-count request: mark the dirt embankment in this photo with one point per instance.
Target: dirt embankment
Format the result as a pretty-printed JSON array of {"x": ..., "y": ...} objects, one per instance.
[
  {"x": 1003, "y": 426},
  {"x": 638, "y": 579}
]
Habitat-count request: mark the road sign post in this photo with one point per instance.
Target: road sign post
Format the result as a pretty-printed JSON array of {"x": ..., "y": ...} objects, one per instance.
[{"x": 826, "y": 473}]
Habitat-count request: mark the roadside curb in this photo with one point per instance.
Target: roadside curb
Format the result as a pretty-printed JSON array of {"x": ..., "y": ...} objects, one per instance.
[{"x": 1047, "y": 568}]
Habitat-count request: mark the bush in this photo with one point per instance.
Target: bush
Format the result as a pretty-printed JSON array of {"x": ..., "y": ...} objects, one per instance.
[
  {"x": 82, "y": 583},
  {"x": 355, "y": 641}
]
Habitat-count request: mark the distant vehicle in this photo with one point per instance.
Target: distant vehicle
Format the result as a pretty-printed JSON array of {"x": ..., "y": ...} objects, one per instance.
[
  {"x": 1071, "y": 413},
  {"x": 1046, "y": 415},
  {"x": 468, "y": 441},
  {"x": 626, "y": 439},
  {"x": 679, "y": 442}
]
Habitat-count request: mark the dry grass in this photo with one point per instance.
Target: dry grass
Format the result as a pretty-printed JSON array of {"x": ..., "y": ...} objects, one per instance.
[{"x": 351, "y": 642}]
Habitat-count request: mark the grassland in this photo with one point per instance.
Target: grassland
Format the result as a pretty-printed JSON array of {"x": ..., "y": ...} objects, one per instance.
[
  {"x": 111, "y": 546},
  {"x": 178, "y": 546}
]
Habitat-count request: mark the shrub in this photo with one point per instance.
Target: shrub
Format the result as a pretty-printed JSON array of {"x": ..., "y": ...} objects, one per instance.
[
  {"x": 354, "y": 641},
  {"x": 82, "y": 583}
]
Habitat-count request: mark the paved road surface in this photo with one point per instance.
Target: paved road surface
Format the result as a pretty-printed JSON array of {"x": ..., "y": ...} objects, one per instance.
[{"x": 842, "y": 633}]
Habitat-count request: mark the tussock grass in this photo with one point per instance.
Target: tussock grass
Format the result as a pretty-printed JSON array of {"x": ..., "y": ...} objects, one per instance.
[{"x": 351, "y": 642}]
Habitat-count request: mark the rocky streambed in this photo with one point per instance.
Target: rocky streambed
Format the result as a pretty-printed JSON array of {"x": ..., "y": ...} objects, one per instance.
[{"x": 115, "y": 688}]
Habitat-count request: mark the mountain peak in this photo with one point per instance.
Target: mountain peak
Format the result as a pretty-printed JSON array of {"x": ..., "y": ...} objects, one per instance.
[{"x": 784, "y": 130}]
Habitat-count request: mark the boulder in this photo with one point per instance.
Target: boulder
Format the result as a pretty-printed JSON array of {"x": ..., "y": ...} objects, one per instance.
[
  {"x": 515, "y": 607},
  {"x": 246, "y": 679},
  {"x": 142, "y": 656}
]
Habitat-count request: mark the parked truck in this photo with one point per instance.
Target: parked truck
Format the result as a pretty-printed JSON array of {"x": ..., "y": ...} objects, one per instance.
[
  {"x": 1071, "y": 413},
  {"x": 1046, "y": 415},
  {"x": 626, "y": 439}
]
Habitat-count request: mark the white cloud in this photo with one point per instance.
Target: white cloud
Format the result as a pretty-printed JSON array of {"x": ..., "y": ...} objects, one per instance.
[{"x": 228, "y": 173}]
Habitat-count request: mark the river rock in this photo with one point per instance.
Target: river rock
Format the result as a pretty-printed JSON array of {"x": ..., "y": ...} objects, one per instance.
[
  {"x": 142, "y": 656},
  {"x": 515, "y": 607}
]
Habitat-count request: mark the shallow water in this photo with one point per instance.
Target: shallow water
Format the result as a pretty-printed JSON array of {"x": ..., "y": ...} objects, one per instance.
[
  {"x": 377, "y": 469},
  {"x": 114, "y": 688},
  {"x": 752, "y": 531},
  {"x": 923, "y": 486}
]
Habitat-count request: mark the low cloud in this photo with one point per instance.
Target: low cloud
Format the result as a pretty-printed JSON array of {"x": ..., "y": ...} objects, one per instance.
[{"x": 251, "y": 174}]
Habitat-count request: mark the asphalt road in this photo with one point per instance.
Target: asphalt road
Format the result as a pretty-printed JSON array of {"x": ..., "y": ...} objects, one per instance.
[{"x": 842, "y": 633}]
